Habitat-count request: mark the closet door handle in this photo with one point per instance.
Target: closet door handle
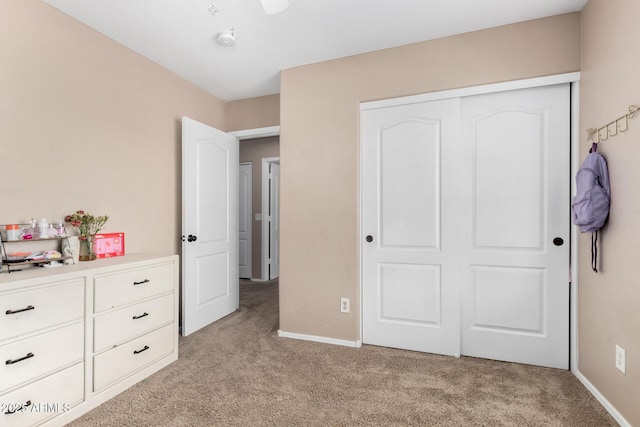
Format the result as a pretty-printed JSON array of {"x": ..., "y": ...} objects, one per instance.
[
  {"x": 558, "y": 241},
  {"x": 27, "y": 308},
  {"x": 11, "y": 362}
]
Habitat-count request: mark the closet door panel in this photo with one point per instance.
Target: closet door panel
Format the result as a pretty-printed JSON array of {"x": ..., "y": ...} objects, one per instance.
[
  {"x": 515, "y": 288},
  {"x": 507, "y": 179},
  {"x": 409, "y": 223},
  {"x": 409, "y": 184}
]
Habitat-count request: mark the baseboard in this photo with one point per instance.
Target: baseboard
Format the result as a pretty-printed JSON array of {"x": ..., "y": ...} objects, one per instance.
[
  {"x": 603, "y": 401},
  {"x": 315, "y": 338}
]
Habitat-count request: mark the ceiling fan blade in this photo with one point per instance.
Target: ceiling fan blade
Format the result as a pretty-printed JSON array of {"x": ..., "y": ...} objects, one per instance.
[{"x": 274, "y": 6}]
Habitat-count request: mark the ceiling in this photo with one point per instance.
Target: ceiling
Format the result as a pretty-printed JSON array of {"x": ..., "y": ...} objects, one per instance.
[{"x": 181, "y": 35}]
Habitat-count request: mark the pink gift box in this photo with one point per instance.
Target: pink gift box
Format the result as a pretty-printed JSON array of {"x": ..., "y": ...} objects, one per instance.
[{"x": 108, "y": 245}]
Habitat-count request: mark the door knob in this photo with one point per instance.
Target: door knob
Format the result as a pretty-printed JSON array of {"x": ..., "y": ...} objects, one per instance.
[
  {"x": 558, "y": 241},
  {"x": 369, "y": 238},
  {"x": 192, "y": 238}
]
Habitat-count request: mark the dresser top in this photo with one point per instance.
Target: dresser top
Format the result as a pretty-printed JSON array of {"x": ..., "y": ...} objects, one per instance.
[{"x": 10, "y": 280}]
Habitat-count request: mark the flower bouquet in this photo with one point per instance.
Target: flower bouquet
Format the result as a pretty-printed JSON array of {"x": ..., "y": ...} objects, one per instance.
[{"x": 88, "y": 225}]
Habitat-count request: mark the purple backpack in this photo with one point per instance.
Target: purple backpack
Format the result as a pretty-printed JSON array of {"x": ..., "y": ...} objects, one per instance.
[{"x": 590, "y": 206}]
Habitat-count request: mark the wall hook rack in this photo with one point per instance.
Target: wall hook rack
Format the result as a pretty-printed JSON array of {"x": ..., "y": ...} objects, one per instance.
[{"x": 621, "y": 124}]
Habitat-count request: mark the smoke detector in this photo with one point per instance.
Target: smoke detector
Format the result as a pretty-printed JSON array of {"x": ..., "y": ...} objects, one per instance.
[{"x": 227, "y": 38}]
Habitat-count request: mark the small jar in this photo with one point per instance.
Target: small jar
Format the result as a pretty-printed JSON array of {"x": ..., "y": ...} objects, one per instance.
[{"x": 13, "y": 232}]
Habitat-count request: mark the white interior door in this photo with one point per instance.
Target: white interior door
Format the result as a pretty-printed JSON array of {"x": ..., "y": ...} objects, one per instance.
[
  {"x": 274, "y": 221},
  {"x": 515, "y": 275},
  {"x": 209, "y": 225},
  {"x": 245, "y": 214},
  {"x": 465, "y": 212},
  {"x": 410, "y": 293}
]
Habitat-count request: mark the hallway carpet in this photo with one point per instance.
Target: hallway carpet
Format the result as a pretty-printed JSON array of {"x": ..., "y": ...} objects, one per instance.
[{"x": 237, "y": 372}]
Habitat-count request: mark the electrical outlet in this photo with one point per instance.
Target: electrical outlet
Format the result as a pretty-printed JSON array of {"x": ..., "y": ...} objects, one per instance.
[
  {"x": 621, "y": 359},
  {"x": 345, "y": 305}
]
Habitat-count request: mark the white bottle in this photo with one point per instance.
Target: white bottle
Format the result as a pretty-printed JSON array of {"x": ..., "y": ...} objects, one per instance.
[{"x": 44, "y": 228}]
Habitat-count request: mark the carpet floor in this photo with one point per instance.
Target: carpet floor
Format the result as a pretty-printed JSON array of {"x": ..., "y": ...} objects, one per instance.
[{"x": 238, "y": 372}]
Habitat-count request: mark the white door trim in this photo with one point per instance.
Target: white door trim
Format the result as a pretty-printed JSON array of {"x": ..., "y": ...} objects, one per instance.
[
  {"x": 266, "y": 161},
  {"x": 274, "y": 220},
  {"x": 474, "y": 90},
  {"x": 573, "y": 79},
  {"x": 256, "y": 132},
  {"x": 573, "y": 254}
]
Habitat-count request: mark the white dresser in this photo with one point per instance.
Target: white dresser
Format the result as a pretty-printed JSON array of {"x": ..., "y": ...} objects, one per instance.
[{"x": 73, "y": 337}]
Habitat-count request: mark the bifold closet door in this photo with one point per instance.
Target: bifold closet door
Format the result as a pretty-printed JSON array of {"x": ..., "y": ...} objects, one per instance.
[
  {"x": 409, "y": 227},
  {"x": 515, "y": 285}
]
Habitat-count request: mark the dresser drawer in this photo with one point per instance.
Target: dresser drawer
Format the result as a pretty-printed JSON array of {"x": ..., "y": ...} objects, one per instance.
[
  {"x": 37, "y": 308},
  {"x": 30, "y": 358},
  {"x": 128, "y": 286},
  {"x": 121, "y": 361},
  {"x": 120, "y": 325},
  {"x": 34, "y": 403}
]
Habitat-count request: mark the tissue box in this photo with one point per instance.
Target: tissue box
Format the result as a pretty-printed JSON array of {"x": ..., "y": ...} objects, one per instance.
[{"x": 108, "y": 245}]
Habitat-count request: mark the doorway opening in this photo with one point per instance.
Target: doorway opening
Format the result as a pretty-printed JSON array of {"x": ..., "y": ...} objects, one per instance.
[{"x": 261, "y": 150}]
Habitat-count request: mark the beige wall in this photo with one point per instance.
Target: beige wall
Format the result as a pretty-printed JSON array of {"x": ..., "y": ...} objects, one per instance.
[
  {"x": 609, "y": 301},
  {"x": 88, "y": 124},
  {"x": 253, "y": 113},
  {"x": 254, "y": 150},
  {"x": 319, "y": 149}
]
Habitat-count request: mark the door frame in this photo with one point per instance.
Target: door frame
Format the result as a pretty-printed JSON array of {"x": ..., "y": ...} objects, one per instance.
[
  {"x": 262, "y": 132},
  {"x": 571, "y": 78}
]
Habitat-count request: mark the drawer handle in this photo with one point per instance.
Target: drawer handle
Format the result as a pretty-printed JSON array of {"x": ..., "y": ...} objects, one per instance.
[
  {"x": 30, "y": 307},
  {"x": 17, "y": 408},
  {"x": 11, "y": 362},
  {"x": 141, "y": 316},
  {"x": 140, "y": 283},
  {"x": 146, "y": 347}
]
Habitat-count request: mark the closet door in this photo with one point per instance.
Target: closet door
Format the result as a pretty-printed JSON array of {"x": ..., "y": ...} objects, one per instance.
[
  {"x": 410, "y": 220},
  {"x": 515, "y": 267},
  {"x": 465, "y": 226}
]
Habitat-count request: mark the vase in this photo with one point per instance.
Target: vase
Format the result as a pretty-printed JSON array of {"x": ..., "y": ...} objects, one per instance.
[
  {"x": 87, "y": 250},
  {"x": 71, "y": 248}
]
